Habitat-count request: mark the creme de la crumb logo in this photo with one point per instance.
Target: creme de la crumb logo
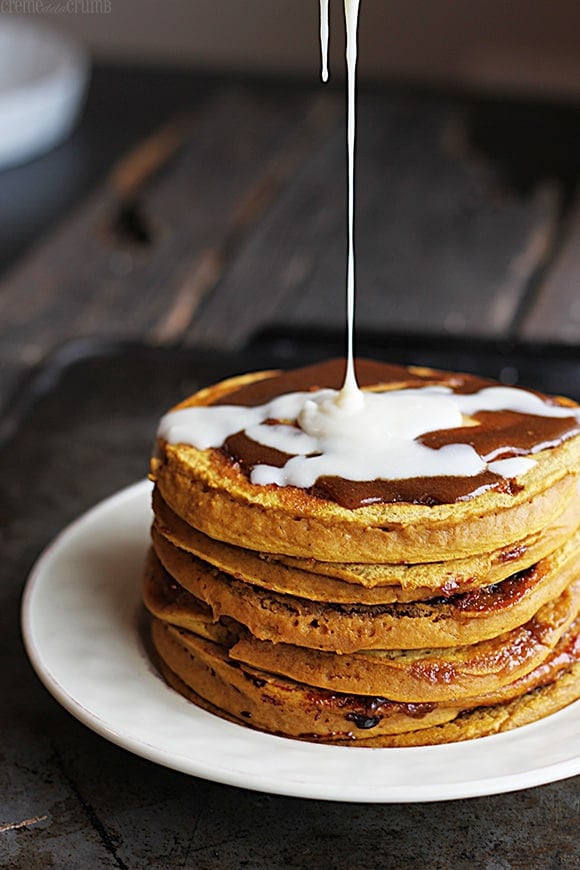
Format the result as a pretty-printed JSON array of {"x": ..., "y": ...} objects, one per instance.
[{"x": 55, "y": 7}]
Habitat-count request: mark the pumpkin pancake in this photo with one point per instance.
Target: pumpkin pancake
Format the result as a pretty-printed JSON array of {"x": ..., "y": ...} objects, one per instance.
[
  {"x": 171, "y": 603},
  {"x": 303, "y": 525},
  {"x": 485, "y": 721},
  {"x": 210, "y": 488},
  {"x": 422, "y": 675},
  {"x": 373, "y": 584},
  {"x": 462, "y": 619},
  {"x": 277, "y": 704},
  {"x": 201, "y": 670}
]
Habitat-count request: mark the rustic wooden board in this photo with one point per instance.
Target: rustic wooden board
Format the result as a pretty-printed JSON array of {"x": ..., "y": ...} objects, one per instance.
[
  {"x": 233, "y": 218},
  {"x": 138, "y": 256},
  {"x": 555, "y": 312},
  {"x": 440, "y": 247},
  {"x": 125, "y": 104}
]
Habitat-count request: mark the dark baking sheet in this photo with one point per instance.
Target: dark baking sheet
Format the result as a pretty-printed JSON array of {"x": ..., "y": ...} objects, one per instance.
[
  {"x": 174, "y": 371},
  {"x": 547, "y": 367},
  {"x": 82, "y": 428}
]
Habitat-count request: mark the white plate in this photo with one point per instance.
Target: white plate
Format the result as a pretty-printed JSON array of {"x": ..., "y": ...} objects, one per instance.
[
  {"x": 43, "y": 80},
  {"x": 81, "y": 627}
]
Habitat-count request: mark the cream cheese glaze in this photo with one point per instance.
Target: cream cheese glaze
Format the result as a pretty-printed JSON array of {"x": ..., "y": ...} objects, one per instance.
[
  {"x": 378, "y": 440},
  {"x": 324, "y": 39},
  {"x": 350, "y": 396}
]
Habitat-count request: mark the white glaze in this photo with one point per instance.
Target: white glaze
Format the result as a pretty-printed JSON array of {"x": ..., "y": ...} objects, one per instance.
[
  {"x": 375, "y": 441},
  {"x": 512, "y": 467},
  {"x": 350, "y": 395},
  {"x": 324, "y": 39}
]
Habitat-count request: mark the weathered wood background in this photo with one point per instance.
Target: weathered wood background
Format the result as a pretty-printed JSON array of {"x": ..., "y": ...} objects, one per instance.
[{"x": 229, "y": 215}]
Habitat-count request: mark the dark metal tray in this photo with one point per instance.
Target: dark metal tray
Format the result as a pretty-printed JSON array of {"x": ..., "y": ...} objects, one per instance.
[{"x": 105, "y": 366}]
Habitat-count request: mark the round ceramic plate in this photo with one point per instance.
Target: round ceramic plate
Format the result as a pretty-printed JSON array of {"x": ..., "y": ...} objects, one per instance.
[
  {"x": 43, "y": 80},
  {"x": 81, "y": 621}
]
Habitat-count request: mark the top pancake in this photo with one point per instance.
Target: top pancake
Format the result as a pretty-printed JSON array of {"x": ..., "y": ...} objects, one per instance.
[{"x": 212, "y": 492}]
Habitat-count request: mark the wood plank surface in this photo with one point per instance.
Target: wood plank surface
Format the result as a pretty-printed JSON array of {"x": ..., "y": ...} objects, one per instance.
[
  {"x": 555, "y": 312},
  {"x": 440, "y": 246},
  {"x": 135, "y": 260},
  {"x": 232, "y": 218},
  {"x": 124, "y": 105}
]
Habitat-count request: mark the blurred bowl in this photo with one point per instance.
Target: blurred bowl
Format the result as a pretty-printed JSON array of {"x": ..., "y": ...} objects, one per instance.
[{"x": 43, "y": 81}]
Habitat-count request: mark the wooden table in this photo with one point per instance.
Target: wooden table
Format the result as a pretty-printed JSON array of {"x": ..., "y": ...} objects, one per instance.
[
  {"x": 193, "y": 213},
  {"x": 197, "y": 211}
]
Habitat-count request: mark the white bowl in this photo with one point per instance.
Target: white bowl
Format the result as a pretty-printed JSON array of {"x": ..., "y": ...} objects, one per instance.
[{"x": 43, "y": 81}]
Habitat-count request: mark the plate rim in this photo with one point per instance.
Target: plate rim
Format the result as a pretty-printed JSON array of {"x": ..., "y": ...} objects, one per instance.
[{"x": 420, "y": 793}]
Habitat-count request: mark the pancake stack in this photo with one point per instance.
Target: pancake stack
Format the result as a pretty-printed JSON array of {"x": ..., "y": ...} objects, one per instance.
[{"x": 373, "y": 613}]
